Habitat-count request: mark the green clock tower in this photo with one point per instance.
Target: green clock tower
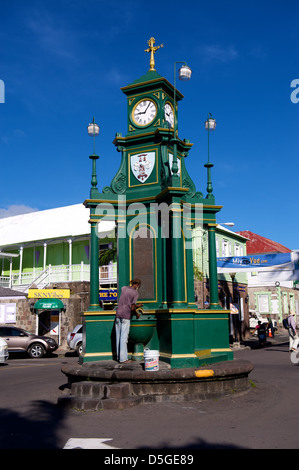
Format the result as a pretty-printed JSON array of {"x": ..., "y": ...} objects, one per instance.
[{"x": 155, "y": 205}]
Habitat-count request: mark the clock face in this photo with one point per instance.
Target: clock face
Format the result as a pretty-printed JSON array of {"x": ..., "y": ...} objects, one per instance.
[
  {"x": 144, "y": 112},
  {"x": 169, "y": 114}
]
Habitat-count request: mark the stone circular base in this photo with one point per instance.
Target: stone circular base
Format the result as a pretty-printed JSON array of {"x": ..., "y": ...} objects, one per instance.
[{"x": 108, "y": 384}]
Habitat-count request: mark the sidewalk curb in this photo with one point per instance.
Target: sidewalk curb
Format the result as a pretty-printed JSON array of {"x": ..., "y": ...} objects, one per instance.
[{"x": 253, "y": 343}]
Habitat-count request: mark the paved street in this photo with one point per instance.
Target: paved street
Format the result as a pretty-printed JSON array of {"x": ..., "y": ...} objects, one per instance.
[{"x": 264, "y": 418}]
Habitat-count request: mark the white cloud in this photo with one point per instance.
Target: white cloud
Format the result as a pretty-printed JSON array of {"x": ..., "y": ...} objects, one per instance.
[
  {"x": 114, "y": 75},
  {"x": 258, "y": 52},
  {"x": 217, "y": 53},
  {"x": 19, "y": 133},
  {"x": 53, "y": 34},
  {"x": 15, "y": 209}
]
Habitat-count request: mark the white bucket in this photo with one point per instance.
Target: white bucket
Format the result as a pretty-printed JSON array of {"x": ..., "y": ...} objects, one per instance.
[{"x": 151, "y": 359}]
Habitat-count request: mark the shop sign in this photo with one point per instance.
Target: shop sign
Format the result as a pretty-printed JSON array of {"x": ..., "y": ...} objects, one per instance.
[
  {"x": 108, "y": 295},
  {"x": 271, "y": 266},
  {"x": 48, "y": 293}
]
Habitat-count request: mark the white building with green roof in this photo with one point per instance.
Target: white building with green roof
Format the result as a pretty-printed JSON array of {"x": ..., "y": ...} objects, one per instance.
[{"x": 49, "y": 246}]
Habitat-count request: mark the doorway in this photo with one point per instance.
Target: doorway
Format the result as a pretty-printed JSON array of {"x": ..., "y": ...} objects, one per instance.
[{"x": 48, "y": 323}]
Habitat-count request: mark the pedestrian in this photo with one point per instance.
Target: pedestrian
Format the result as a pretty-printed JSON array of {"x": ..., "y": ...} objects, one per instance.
[
  {"x": 261, "y": 332},
  {"x": 293, "y": 337},
  {"x": 126, "y": 307},
  {"x": 270, "y": 326}
]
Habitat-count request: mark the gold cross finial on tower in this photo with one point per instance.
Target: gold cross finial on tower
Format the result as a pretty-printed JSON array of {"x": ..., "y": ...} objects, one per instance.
[{"x": 152, "y": 49}]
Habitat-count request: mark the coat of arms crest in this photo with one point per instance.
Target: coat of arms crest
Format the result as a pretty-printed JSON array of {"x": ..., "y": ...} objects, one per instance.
[{"x": 142, "y": 165}]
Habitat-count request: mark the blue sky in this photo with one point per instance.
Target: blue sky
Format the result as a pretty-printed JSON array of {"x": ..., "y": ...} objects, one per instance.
[{"x": 63, "y": 62}]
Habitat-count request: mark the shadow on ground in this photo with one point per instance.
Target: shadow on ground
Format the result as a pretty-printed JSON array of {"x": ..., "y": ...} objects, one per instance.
[{"x": 35, "y": 429}]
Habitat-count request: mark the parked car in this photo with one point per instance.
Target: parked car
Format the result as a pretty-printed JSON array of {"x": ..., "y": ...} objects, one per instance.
[
  {"x": 3, "y": 351},
  {"x": 19, "y": 340},
  {"x": 74, "y": 339}
]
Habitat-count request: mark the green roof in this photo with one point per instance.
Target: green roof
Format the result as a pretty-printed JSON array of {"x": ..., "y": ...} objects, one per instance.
[
  {"x": 150, "y": 75},
  {"x": 147, "y": 81}
]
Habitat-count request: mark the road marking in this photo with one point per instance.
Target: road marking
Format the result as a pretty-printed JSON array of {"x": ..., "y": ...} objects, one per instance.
[{"x": 88, "y": 443}]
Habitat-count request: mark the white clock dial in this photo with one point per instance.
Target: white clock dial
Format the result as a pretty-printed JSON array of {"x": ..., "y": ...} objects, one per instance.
[
  {"x": 144, "y": 112},
  {"x": 169, "y": 114}
]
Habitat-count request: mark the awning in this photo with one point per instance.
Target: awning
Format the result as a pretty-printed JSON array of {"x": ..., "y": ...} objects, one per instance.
[
  {"x": 48, "y": 304},
  {"x": 3, "y": 254}
]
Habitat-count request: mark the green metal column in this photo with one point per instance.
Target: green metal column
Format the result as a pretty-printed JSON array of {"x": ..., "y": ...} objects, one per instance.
[
  {"x": 213, "y": 267},
  {"x": 94, "y": 269},
  {"x": 178, "y": 269},
  {"x": 123, "y": 262}
]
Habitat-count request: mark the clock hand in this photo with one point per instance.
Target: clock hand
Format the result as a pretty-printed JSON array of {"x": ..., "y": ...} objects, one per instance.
[{"x": 143, "y": 112}]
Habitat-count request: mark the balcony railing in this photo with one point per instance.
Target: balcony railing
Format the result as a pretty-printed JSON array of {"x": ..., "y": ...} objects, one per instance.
[{"x": 63, "y": 273}]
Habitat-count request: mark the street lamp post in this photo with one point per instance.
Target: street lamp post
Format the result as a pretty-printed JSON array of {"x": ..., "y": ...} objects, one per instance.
[
  {"x": 210, "y": 125},
  {"x": 184, "y": 74},
  {"x": 178, "y": 292},
  {"x": 93, "y": 131}
]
